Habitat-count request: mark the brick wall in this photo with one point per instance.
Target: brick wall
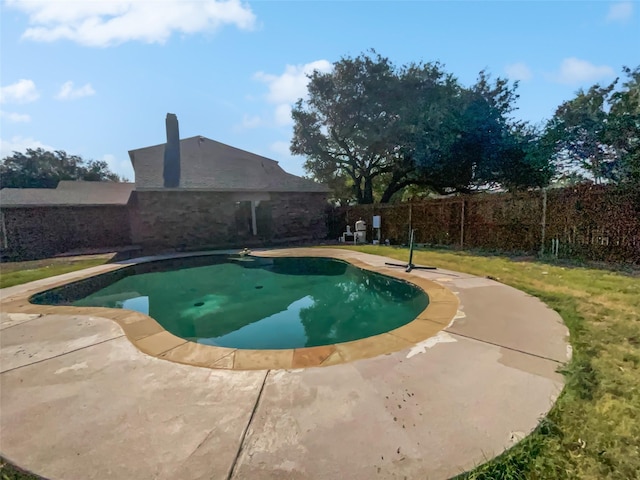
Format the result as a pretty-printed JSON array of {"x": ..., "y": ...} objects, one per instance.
[
  {"x": 39, "y": 232},
  {"x": 298, "y": 215},
  {"x": 182, "y": 219},
  {"x": 164, "y": 220}
]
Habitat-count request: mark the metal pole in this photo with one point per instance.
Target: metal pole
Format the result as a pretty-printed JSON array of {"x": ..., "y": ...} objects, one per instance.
[
  {"x": 410, "y": 265},
  {"x": 410, "y": 222},
  {"x": 462, "y": 226},
  {"x": 544, "y": 220}
]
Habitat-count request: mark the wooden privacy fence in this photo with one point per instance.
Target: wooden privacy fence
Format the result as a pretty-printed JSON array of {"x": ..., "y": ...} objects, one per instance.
[{"x": 590, "y": 222}]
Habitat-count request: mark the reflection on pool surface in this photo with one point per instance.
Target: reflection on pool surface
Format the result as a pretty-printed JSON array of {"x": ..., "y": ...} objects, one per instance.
[{"x": 254, "y": 303}]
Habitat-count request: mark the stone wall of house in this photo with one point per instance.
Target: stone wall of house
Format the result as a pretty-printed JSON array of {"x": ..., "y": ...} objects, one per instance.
[
  {"x": 187, "y": 220},
  {"x": 298, "y": 215},
  {"x": 39, "y": 232},
  {"x": 173, "y": 219}
]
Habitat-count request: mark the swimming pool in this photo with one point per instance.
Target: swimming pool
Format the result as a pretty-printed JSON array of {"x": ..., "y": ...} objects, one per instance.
[{"x": 253, "y": 303}]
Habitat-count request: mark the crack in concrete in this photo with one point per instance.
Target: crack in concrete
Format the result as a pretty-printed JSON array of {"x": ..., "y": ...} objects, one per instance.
[
  {"x": 17, "y": 324},
  {"x": 234, "y": 464},
  {"x": 61, "y": 354},
  {"x": 559, "y": 362}
]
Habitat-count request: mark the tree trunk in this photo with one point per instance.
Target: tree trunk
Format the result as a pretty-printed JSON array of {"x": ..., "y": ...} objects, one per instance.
[
  {"x": 368, "y": 190},
  {"x": 391, "y": 189},
  {"x": 388, "y": 193},
  {"x": 357, "y": 187}
]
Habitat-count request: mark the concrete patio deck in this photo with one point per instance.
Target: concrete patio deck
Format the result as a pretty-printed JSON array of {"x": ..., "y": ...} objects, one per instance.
[{"x": 79, "y": 401}]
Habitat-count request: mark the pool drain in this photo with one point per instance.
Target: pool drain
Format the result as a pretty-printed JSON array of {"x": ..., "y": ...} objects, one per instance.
[
  {"x": 198, "y": 304},
  {"x": 258, "y": 287}
]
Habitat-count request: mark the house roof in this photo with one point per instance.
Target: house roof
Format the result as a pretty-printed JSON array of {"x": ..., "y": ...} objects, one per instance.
[
  {"x": 209, "y": 165},
  {"x": 68, "y": 192}
]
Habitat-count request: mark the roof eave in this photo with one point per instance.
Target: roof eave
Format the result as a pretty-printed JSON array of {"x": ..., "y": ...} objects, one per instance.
[
  {"x": 228, "y": 190},
  {"x": 50, "y": 205}
]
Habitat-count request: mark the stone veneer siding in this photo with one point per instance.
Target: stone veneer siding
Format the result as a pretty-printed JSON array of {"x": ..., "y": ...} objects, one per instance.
[
  {"x": 298, "y": 215},
  {"x": 38, "y": 232},
  {"x": 189, "y": 219}
]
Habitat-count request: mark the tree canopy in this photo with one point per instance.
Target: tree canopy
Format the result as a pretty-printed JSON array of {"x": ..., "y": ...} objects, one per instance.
[
  {"x": 375, "y": 129},
  {"x": 39, "y": 168},
  {"x": 596, "y": 135}
]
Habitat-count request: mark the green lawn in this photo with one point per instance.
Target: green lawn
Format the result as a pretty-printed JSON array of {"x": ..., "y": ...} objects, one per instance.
[
  {"x": 9, "y": 472},
  {"x": 16, "y": 273},
  {"x": 593, "y": 431}
]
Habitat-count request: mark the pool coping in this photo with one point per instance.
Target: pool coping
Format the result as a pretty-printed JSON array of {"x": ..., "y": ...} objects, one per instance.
[{"x": 148, "y": 336}]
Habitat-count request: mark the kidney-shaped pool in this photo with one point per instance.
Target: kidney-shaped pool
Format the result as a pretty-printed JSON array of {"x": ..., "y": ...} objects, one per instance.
[{"x": 253, "y": 302}]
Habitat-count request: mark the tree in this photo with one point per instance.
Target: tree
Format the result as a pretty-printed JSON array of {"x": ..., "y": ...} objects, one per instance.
[
  {"x": 39, "y": 168},
  {"x": 474, "y": 144},
  {"x": 344, "y": 128},
  {"x": 596, "y": 135},
  {"x": 385, "y": 128},
  {"x": 622, "y": 131}
]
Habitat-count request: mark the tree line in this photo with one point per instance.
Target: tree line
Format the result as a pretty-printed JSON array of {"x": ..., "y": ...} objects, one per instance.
[
  {"x": 374, "y": 131},
  {"x": 39, "y": 168}
]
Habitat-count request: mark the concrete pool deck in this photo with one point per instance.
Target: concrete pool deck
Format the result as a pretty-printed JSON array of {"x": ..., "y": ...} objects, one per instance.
[{"x": 79, "y": 401}]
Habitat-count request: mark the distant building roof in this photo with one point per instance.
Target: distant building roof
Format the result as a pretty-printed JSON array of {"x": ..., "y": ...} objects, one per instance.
[
  {"x": 209, "y": 165},
  {"x": 68, "y": 192}
]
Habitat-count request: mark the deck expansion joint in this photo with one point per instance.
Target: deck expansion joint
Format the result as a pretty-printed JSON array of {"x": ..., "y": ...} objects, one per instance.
[
  {"x": 61, "y": 354},
  {"x": 559, "y": 362},
  {"x": 234, "y": 464}
]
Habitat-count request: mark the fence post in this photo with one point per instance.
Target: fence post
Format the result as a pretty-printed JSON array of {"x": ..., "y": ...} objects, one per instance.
[
  {"x": 409, "y": 238},
  {"x": 544, "y": 220},
  {"x": 462, "y": 225}
]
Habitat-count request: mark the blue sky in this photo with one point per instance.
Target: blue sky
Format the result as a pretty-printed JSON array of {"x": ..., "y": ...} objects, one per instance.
[{"x": 97, "y": 77}]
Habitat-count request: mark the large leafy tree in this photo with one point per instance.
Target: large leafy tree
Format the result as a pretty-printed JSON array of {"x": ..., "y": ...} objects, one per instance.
[
  {"x": 39, "y": 168},
  {"x": 623, "y": 128},
  {"x": 378, "y": 129},
  {"x": 596, "y": 135},
  {"x": 345, "y": 126},
  {"x": 474, "y": 143}
]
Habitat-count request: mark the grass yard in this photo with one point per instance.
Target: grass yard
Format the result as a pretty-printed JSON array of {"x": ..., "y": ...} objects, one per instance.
[
  {"x": 16, "y": 273},
  {"x": 9, "y": 472},
  {"x": 593, "y": 431}
]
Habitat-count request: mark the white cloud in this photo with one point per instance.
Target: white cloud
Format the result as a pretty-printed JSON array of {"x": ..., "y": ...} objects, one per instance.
[
  {"x": 288, "y": 87},
  {"x": 13, "y": 117},
  {"x": 518, "y": 71},
  {"x": 68, "y": 92},
  {"x": 620, "y": 12},
  {"x": 120, "y": 166},
  {"x": 23, "y": 91},
  {"x": 20, "y": 144},
  {"x": 101, "y": 23},
  {"x": 292, "y": 84},
  {"x": 574, "y": 71}
]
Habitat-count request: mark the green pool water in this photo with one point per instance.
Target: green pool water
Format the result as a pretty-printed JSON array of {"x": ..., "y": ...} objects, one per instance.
[{"x": 260, "y": 303}]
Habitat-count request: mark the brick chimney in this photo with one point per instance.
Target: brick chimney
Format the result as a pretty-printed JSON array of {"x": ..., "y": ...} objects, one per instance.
[{"x": 171, "y": 172}]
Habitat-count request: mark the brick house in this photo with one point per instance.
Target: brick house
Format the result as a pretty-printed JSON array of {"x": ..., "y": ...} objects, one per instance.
[
  {"x": 199, "y": 192},
  {"x": 188, "y": 194},
  {"x": 40, "y": 222}
]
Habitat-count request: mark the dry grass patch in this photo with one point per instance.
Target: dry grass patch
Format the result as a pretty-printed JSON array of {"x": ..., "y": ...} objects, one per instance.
[{"x": 17, "y": 273}]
